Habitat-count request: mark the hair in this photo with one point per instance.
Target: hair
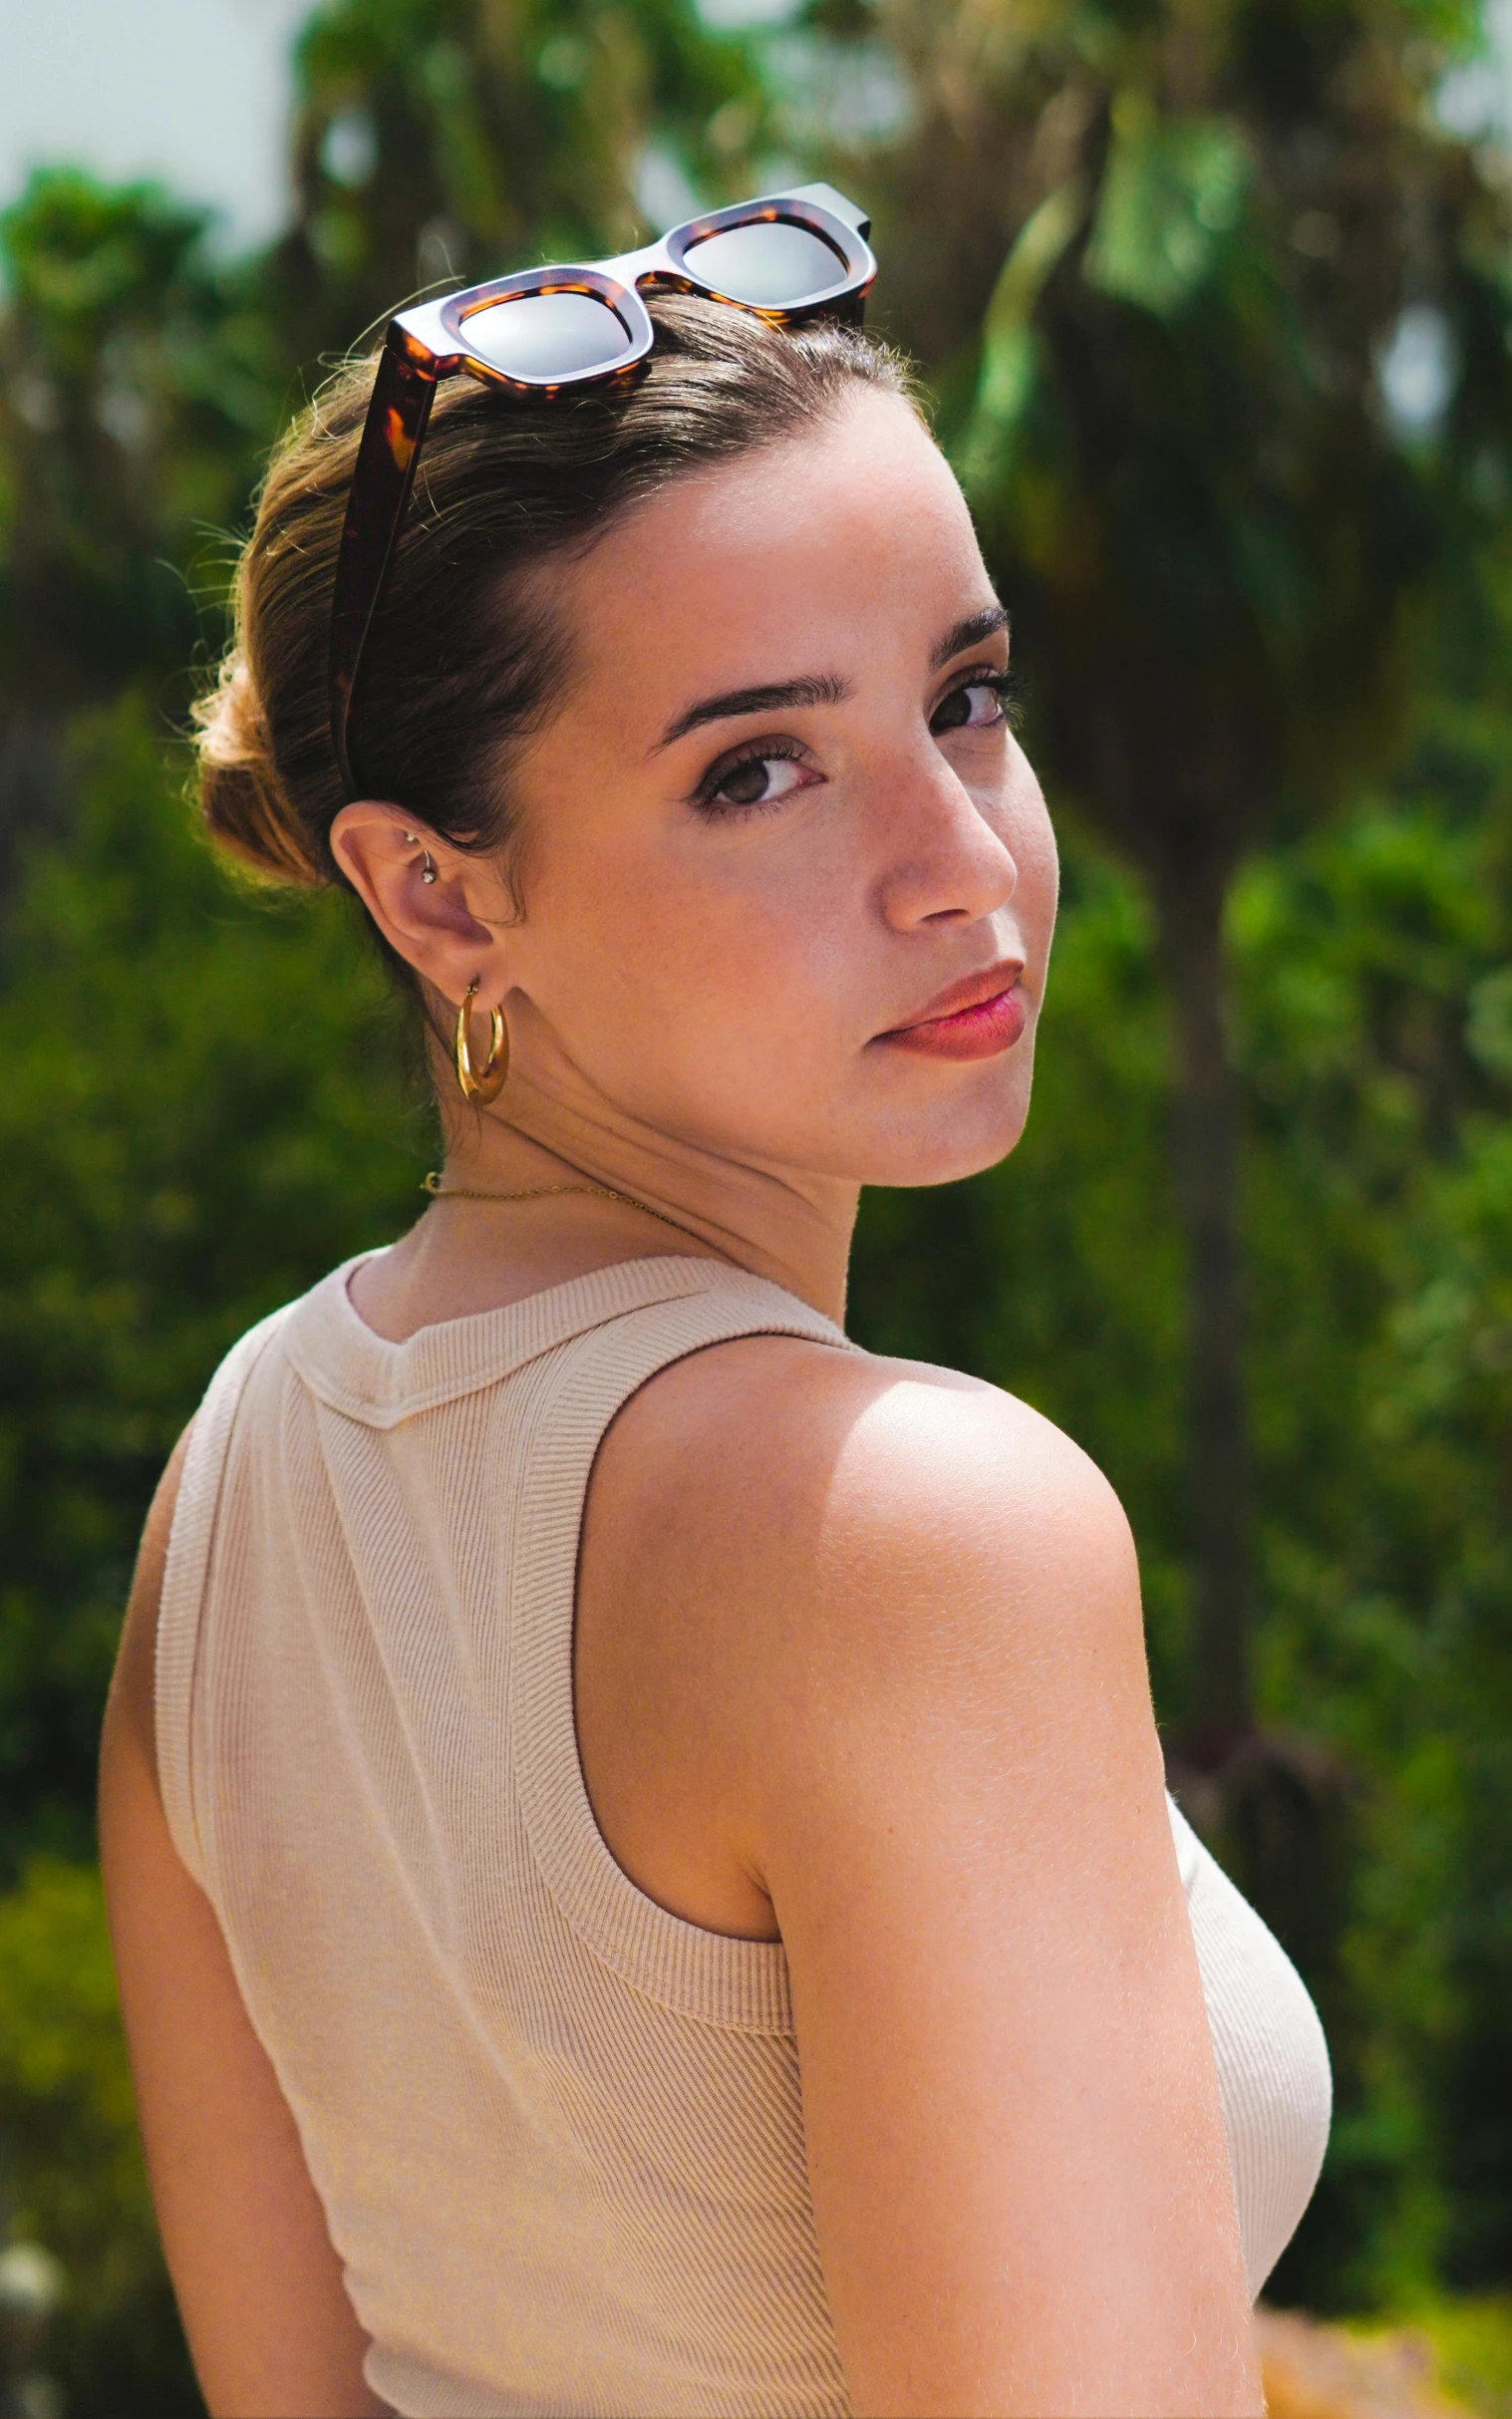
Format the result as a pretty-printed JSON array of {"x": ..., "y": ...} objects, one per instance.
[{"x": 464, "y": 656}]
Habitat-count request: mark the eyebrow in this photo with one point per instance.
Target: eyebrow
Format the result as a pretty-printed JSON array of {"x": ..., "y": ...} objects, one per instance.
[
  {"x": 821, "y": 688},
  {"x": 768, "y": 697},
  {"x": 977, "y": 626}
]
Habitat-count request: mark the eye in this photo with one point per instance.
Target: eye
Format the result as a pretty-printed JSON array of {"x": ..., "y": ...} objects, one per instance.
[
  {"x": 978, "y": 703},
  {"x": 760, "y": 779},
  {"x": 758, "y": 776}
]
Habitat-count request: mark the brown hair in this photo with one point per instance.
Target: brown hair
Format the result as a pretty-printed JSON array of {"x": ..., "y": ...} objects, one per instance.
[{"x": 463, "y": 656}]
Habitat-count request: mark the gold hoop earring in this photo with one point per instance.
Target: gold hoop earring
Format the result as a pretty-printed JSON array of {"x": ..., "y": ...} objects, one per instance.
[{"x": 485, "y": 1082}]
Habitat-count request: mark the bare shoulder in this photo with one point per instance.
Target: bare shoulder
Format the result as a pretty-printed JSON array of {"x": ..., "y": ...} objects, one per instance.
[
  {"x": 813, "y": 1550},
  {"x": 886, "y": 1650},
  {"x": 868, "y": 1486}
]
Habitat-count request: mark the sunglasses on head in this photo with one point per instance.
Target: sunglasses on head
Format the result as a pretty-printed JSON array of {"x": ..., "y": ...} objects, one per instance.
[{"x": 553, "y": 331}]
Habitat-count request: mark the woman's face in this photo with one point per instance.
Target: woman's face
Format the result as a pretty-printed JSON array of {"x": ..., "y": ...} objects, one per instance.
[{"x": 788, "y": 879}]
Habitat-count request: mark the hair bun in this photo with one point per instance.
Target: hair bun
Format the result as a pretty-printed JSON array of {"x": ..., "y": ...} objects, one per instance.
[{"x": 245, "y": 807}]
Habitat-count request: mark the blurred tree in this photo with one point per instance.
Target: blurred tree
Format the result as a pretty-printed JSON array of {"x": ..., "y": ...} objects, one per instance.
[
  {"x": 1371, "y": 965},
  {"x": 143, "y": 378},
  {"x": 1218, "y": 310},
  {"x": 136, "y": 388},
  {"x": 204, "y": 1105},
  {"x": 73, "y": 2177},
  {"x": 444, "y": 138},
  {"x": 137, "y": 380}
]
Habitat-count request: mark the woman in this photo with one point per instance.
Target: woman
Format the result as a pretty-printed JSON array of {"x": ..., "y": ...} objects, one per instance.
[{"x": 634, "y": 1831}]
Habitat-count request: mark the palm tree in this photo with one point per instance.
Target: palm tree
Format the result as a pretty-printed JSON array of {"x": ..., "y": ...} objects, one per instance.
[
  {"x": 447, "y": 139},
  {"x": 136, "y": 384}
]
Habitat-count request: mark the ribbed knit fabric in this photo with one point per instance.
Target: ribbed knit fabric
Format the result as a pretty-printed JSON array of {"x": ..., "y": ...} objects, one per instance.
[{"x": 558, "y": 2131}]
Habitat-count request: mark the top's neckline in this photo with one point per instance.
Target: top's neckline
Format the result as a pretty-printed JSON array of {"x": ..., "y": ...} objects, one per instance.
[
  {"x": 548, "y": 1296},
  {"x": 348, "y": 1364}
]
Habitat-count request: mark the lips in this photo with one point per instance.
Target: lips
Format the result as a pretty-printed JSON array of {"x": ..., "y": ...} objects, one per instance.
[{"x": 972, "y": 1019}]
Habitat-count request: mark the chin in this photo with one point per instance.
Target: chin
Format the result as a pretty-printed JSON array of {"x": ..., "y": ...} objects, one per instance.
[{"x": 949, "y": 1144}]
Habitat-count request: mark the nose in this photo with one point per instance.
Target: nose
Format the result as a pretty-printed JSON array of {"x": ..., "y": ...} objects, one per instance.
[{"x": 950, "y": 863}]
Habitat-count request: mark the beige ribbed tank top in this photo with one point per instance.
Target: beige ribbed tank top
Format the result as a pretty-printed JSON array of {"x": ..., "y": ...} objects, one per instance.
[{"x": 558, "y": 2131}]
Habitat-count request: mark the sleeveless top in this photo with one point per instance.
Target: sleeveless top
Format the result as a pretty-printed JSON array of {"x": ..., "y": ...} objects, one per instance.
[{"x": 558, "y": 2131}]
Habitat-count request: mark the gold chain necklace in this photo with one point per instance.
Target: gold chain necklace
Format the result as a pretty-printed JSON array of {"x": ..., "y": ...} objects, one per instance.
[{"x": 549, "y": 1192}]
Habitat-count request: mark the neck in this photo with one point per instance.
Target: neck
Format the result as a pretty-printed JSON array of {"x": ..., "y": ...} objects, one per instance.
[{"x": 788, "y": 1226}]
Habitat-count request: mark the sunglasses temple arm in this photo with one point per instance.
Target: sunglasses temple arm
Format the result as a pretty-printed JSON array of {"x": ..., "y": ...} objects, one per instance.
[{"x": 402, "y": 391}]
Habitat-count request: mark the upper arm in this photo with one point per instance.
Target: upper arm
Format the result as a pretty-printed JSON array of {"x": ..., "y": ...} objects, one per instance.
[
  {"x": 266, "y": 2313},
  {"x": 1016, "y": 2150},
  {"x": 935, "y": 1740}
]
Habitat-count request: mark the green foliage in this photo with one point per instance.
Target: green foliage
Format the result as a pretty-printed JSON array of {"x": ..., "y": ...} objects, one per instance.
[
  {"x": 204, "y": 1105},
  {"x": 438, "y": 138},
  {"x": 138, "y": 379},
  {"x": 1175, "y": 442},
  {"x": 73, "y": 2176},
  {"x": 1171, "y": 190},
  {"x": 1362, "y": 952},
  {"x": 1473, "y": 2342},
  {"x": 210, "y": 1098}
]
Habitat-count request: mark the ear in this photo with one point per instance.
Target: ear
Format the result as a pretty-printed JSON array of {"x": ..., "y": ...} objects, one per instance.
[{"x": 450, "y": 929}]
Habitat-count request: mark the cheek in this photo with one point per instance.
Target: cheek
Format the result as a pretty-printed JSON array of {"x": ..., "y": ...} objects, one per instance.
[
  {"x": 1031, "y": 841},
  {"x": 707, "y": 937}
]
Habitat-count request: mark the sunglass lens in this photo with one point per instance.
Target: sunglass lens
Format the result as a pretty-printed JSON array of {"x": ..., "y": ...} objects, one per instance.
[
  {"x": 547, "y": 336},
  {"x": 769, "y": 264}
]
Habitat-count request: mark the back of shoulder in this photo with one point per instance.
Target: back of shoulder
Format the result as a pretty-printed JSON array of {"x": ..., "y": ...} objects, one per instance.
[{"x": 878, "y": 1517}]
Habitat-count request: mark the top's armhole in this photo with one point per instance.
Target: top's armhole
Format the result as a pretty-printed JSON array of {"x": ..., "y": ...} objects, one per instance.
[
  {"x": 192, "y": 1538},
  {"x": 734, "y": 1983}
]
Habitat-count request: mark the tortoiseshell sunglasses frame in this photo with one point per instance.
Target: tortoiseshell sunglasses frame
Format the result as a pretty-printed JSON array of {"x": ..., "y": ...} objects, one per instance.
[{"x": 429, "y": 343}]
